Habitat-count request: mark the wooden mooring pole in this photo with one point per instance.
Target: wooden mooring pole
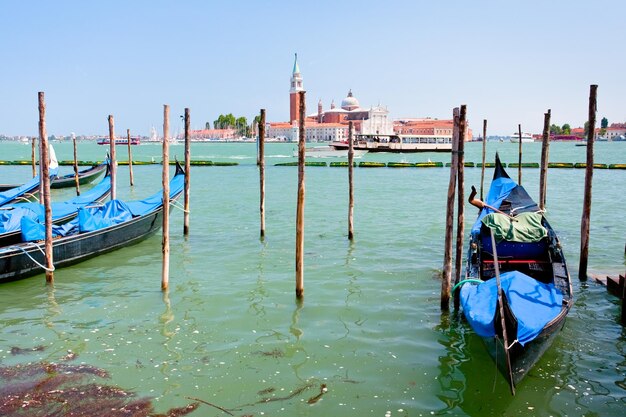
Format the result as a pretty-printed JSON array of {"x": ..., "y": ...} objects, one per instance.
[
  {"x": 32, "y": 157},
  {"x": 447, "y": 256},
  {"x": 165, "y": 243},
  {"x": 187, "y": 173},
  {"x": 482, "y": 171},
  {"x": 130, "y": 159},
  {"x": 44, "y": 161},
  {"x": 261, "y": 163},
  {"x": 350, "y": 181},
  {"x": 112, "y": 155},
  {"x": 545, "y": 151},
  {"x": 76, "y": 181},
  {"x": 584, "y": 223},
  {"x": 460, "y": 229},
  {"x": 519, "y": 157},
  {"x": 300, "y": 206}
]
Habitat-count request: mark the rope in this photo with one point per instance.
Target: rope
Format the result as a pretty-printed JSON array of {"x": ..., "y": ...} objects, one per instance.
[
  {"x": 33, "y": 259},
  {"x": 179, "y": 206}
]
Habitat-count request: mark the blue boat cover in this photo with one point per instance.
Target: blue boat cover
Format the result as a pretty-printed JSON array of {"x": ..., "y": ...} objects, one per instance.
[
  {"x": 533, "y": 303},
  {"x": 111, "y": 213},
  {"x": 10, "y": 218},
  {"x": 499, "y": 190},
  {"x": 10, "y": 195},
  {"x": 95, "y": 218}
]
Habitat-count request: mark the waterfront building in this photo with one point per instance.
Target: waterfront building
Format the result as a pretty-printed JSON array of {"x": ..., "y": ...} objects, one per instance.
[{"x": 332, "y": 124}]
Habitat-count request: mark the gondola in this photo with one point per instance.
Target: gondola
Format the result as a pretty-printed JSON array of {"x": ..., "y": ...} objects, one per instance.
[
  {"x": 84, "y": 177},
  {"x": 11, "y": 214},
  {"x": 517, "y": 291},
  {"x": 96, "y": 230}
]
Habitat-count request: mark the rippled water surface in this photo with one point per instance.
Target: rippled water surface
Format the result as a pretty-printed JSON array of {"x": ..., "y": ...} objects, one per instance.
[{"x": 230, "y": 331}]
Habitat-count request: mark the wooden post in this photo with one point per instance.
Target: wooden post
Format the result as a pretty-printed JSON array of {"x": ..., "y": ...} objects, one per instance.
[
  {"x": 460, "y": 229},
  {"x": 300, "y": 206},
  {"x": 130, "y": 159},
  {"x": 187, "y": 173},
  {"x": 447, "y": 256},
  {"x": 482, "y": 171},
  {"x": 545, "y": 149},
  {"x": 76, "y": 168},
  {"x": 584, "y": 223},
  {"x": 112, "y": 154},
  {"x": 165, "y": 243},
  {"x": 519, "y": 159},
  {"x": 350, "y": 182},
  {"x": 44, "y": 161},
  {"x": 32, "y": 157},
  {"x": 261, "y": 162}
]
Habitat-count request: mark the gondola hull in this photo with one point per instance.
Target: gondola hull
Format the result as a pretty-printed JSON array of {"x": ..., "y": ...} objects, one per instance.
[
  {"x": 84, "y": 177},
  {"x": 17, "y": 264}
]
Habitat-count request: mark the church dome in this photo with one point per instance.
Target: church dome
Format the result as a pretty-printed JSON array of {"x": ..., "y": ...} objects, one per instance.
[{"x": 350, "y": 102}]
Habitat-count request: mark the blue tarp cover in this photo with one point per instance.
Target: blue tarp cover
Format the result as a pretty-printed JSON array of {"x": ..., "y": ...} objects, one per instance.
[
  {"x": 95, "y": 218},
  {"x": 33, "y": 229},
  {"x": 13, "y": 193},
  {"x": 533, "y": 303},
  {"x": 111, "y": 213},
  {"x": 10, "y": 219},
  {"x": 499, "y": 190}
]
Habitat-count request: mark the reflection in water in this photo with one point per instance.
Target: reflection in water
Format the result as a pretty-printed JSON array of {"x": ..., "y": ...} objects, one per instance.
[
  {"x": 53, "y": 309},
  {"x": 353, "y": 287},
  {"x": 258, "y": 293},
  {"x": 296, "y": 348},
  {"x": 468, "y": 377}
]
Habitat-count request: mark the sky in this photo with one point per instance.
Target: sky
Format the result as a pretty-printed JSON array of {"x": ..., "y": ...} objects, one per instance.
[{"x": 508, "y": 61}]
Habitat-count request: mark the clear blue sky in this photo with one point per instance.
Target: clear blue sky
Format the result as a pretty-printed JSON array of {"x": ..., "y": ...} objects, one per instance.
[{"x": 509, "y": 61}]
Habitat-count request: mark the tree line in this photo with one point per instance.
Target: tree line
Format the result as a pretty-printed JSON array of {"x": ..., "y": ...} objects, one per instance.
[
  {"x": 567, "y": 130},
  {"x": 240, "y": 124}
]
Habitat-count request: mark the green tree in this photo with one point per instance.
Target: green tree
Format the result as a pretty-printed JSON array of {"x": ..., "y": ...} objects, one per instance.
[
  {"x": 207, "y": 125},
  {"x": 555, "y": 130},
  {"x": 566, "y": 129},
  {"x": 241, "y": 124},
  {"x": 604, "y": 123},
  {"x": 224, "y": 121}
]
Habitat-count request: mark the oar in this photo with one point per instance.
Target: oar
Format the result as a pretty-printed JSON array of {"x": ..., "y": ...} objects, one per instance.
[{"x": 501, "y": 307}]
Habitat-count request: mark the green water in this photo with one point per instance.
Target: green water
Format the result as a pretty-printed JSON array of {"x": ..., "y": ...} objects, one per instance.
[{"x": 369, "y": 326}]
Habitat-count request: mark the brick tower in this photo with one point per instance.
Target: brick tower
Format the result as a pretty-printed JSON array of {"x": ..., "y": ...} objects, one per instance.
[{"x": 296, "y": 87}]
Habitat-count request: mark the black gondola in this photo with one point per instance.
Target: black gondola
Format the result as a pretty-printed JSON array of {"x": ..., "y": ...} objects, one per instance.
[
  {"x": 84, "y": 177},
  {"x": 517, "y": 294},
  {"x": 11, "y": 215},
  {"x": 89, "y": 235}
]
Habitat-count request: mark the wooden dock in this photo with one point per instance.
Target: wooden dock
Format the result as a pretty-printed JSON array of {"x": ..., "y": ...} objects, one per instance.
[{"x": 615, "y": 285}]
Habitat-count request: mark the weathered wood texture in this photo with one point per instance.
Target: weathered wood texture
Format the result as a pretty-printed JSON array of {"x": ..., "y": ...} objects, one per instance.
[{"x": 584, "y": 223}]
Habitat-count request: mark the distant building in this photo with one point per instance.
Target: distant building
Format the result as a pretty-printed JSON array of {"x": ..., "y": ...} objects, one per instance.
[
  {"x": 332, "y": 124},
  {"x": 213, "y": 134}
]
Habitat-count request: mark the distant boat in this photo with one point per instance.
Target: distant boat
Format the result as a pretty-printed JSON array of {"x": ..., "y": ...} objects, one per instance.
[
  {"x": 119, "y": 141},
  {"x": 329, "y": 152},
  {"x": 399, "y": 143},
  {"x": 526, "y": 137}
]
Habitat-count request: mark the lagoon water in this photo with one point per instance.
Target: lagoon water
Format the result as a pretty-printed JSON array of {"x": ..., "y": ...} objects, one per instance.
[{"x": 230, "y": 331}]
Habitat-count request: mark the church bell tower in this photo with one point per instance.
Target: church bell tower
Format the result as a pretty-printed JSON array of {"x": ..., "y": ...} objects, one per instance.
[{"x": 296, "y": 87}]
